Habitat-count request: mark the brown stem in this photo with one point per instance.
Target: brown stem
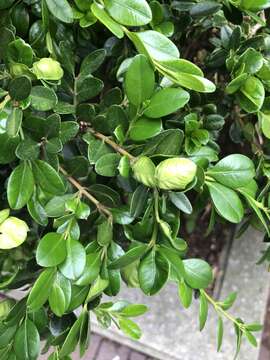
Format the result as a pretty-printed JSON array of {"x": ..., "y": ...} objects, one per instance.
[
  {"x": 83, "y": 191},
  {"x": 115, "y": 146}
]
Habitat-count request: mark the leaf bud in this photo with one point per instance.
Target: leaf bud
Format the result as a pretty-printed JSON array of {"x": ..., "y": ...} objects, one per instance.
[
  {"x": 144, "y": 171},
  {"x": 175, "y": 173},
  {"x": 48, "y": 69}
]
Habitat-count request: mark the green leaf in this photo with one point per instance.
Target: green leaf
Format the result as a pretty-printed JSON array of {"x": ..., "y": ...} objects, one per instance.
[
  {"x": 130, "y": 328},
  {"x": 219, "y": 333},
  {"x": 97, "y": 149},
  {"x": 61, "y": 10},
  {"x": 155, "y": 45},
  {"x": 43, "y": 98},
  {"x": 41, "y": 289},
  {"x": 204, "y": 8},
  {"x": 180, "y": 66},
  {"x": 72, "y": 338},
  {"x": 103, "y": 17},
  {"x": 13, "y": 232},
  {"x": 133, "y": 310},
  {"x": 60, "y": 295},
  {"x": 87, "y": 88},
  {"x": 139, "y": 80},
  {"x": 107, "y": 165},
  {"x": 229, "y": 301},
  {"x": 7, "y": 148},
  {"x": 173, "y": 259},
  {"x": 168, "y": 142},
  {"x": 97, "y": 288},
  {"x": 185, "y": 294},
  {"x": 129, "y": 12},
  {"x": 20, "y": 88},
  {"x": 105, "y": 233},
  {"x": 227, "y": 202},
  {"x": 203, "y": 312},
  {"x": 28, "y": 150},
  {"x": 145, "y": 128},
  {"x": 252, "y": 61},
  {"x": 234, "y": 171},
  {"x": 251, "y": 338},
  {"x": 20, "y": 186},
  {"x": 57, "y": 205},
  {"x": 75, "y": 260},
  {"x": 51, "y": 250},
  {"x": 130, "y": 256},
  {"x": 85, "y": 332},
  {"x": 93, "y": 61},
  {"x": 18, "y": 51},
  {"x": 251, "y": 95},
  {"x": 166, "y": 101},
  {"x": 153, "y": 272},
  {"x": 27, "y": 341},
  {"x": 91, "y": 269},
  {"x": 181, "y": 201},
  {"x": 185, "y": 79},
  {"x": 198, "y": 273},
  {"x": 14, "y": 122},
  {"x": 68, "y": 130},
  {"x": 47, "y": 178},
  {"x": 236, "y": 83},
  {"x": 138, "y": 201}
]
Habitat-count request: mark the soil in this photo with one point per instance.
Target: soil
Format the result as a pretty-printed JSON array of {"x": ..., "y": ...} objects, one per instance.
[{"x": 213, "y": 248}]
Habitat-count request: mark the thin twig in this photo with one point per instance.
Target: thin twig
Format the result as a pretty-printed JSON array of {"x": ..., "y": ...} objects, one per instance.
[
  {"x": 84, "y": 192},
  {"x": 110, "y": 142}
]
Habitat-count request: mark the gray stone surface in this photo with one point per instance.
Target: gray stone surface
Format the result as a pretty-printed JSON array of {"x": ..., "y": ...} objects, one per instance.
[{"x": 171, "y": 333}]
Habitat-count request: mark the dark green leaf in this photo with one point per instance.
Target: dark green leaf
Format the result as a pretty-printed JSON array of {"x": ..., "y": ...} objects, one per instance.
[
  {"x": 20, "y": 88},
  {"x": 181, "y": 201},
  {"x": 227, "y": 202},
  {"x": 153, "y": 272},
  {"x": 43, "y": 98},
  {"x": 47, "y": 178},
  {"x": 130, "y": 256}
]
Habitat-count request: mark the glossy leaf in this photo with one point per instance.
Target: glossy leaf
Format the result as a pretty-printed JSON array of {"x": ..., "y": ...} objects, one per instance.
[
  {"x": 47, "y": 178},
  {"x": 51, "y": 250},
  {"x": 75, "y": 260},
  {"x": 27, "y": 341},
  {"x": 129, "y": 257},
  {"x": 139, "y": 80},
  {"x": 129, "y": 12},
  {"x": 233, "y": 171},
  {"x": 61, "y": 10},
  {"x": 227, "y": 202},
  {"x": 153, "y": 273},
  {"x": 20, "y": 186},
  {"x": 165, "y": 102},
  {"x": 198, "y": 273}
]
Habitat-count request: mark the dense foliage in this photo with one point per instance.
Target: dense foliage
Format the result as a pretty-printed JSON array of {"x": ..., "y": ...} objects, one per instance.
[{"x": 110, "y": 135}]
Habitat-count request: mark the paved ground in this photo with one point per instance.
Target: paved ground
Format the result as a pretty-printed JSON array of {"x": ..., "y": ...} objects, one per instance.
[
  {"x": 265, "y": 345},
  {"x": 104, "y": 349}
]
